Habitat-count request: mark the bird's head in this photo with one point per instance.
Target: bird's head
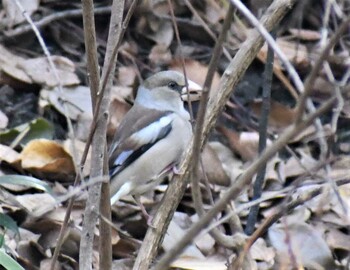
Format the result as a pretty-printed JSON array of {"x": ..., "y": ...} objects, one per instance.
[{"x": 170, "y": 86}]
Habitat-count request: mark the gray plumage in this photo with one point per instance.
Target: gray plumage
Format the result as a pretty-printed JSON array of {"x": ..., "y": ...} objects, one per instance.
[{"x": 152, "y": 136}]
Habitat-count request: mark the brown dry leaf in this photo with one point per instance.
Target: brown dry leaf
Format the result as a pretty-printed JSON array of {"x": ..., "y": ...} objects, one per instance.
[
  {"x": 157, "y": 30},
  {"x": 79, "y": 147},
  {"x": 173, "y": 235},
  {"x": 322, "y": 88},
  {"x": 13, "y": 14},
  {"x": 214, "y": 12},
  {"x": 310, "y": 134},
  {"x": 340, "y": 168},
  {"x": 305, "y": 164},
  {"x": 232, "y": 165},
  {"x": 280, "y": 116},
  {"x": 8, "y": 67},
  {"x": 295, "y": 52},
  {"x": 337, "y": 239},
  {"x": 32, "y": 202},
  {"x": 45, "y": 157},
  {"x": 46, "y": 264},
  {"x": 308, "y": 246},
  {"x": 197, "y": 72},
  {"x": 37, "y": 70},
  {"x": 308, "y": 35},
  {"x": 244, "y": 143},
  {"x": 213, "y": 167},
  {"x": 160, "y": 55},
  {"x": 261, "y": 252},
  {"x": 73, "y": 102},
  {"x": 273, "y": 178},
  {"x": 40, "y": 72},
  {"x": 124, "y": 247},
  {"x": 77, "y": 100},
  {"x": 126, "y": 77},
  {"x": 48, "y": 230}
]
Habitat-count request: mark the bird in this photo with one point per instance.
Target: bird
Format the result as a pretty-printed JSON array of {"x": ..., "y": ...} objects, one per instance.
[{"x": 152, "y": 136}]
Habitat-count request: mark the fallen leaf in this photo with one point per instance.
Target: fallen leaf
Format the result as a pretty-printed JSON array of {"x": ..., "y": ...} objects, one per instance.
[
  {"x": 306, "y": 244},
  {"x": 37, "y": 70},
  {"x": 280, "y": 116},
  {"x": 45, "y": 157},
  {"x": 303, "y": 34},
  {"x": 14, "y": 15},
  {"x": 245, "y": 143}
]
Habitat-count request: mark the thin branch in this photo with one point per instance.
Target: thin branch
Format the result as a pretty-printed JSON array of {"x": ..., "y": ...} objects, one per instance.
[
  {"x": 177, "y": 35},
  {"x": 222, "y": 239},
  {"x": 51, "y": 18},
  {"x": 97, "y": 157},
  {"x": 263, "y": 124}
]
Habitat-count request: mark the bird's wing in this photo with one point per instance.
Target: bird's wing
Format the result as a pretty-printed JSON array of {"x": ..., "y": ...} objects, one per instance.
[{"x": 139, "y": 131}]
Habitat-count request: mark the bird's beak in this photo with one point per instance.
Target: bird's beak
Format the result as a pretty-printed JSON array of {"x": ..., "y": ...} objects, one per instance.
[{"x": 192, "y": 92}]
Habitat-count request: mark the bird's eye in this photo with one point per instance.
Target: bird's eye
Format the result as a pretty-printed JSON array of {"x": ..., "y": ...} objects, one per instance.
[{"x": 172, "y": 85}]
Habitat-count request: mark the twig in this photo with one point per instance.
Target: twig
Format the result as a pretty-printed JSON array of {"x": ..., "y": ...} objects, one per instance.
[
  {"x": 263, "y": 123},
  {"x": 177, "y": 35},
  {"x": 196, "y": 193},
  {"x": 51, "y": 18},
  {"x": 97, "y": 157}
]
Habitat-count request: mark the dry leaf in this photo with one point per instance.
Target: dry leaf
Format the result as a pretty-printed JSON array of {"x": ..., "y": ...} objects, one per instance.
[
  {"x": 245, "y": 143},
  {"x": 160, "y": 55},
  {"x": 261, "y": 252},
  {"x": 32, "y": 202},
  {"x": 308, "y": 35},
  {"x": 295, "y": 52},
  {"x": 37, "y": 70},
  {"x": 280, "y": 116},
  {"x": 126, "y": 77},
  {"x": 45, "y": 157},
  {"x": 14, "y": 15},
  {"x": 173, "y": 235},
  {"x": 308, "y": 246},
  {"x": 232, "y": 165},
  {"x": 213, "y": 167}
]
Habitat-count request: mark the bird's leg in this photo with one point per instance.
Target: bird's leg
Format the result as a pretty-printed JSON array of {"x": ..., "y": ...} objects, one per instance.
[
  {"x": 147, "y": 216},
  {"x": 172, "y": 167},
  {"x": 177, "y": 170}
]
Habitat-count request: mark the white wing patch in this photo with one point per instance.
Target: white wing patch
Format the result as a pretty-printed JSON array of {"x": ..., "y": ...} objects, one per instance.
[
  {"x": 123, "y": 191},
  {"x": 122, "y": 157},
  {"x": 150, "y": 133}
]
